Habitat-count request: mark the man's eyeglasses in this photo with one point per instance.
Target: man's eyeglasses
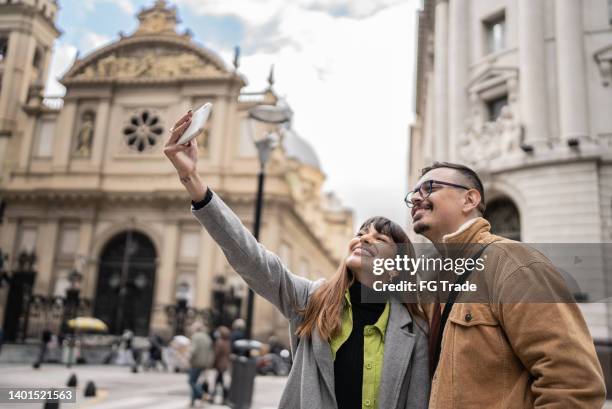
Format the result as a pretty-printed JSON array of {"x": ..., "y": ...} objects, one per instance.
[{"x": 425, "y": 189}]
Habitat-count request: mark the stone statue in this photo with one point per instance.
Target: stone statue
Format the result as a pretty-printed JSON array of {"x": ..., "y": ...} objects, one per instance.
[
  {"x": 85, "y": 135},
  {"x": 509, "y": 130},
  {"x": 162, "y": 63}
]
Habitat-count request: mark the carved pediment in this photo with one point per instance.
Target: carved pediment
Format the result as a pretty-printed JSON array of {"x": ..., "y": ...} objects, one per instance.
[
  {"x": 156, "y": 61},
  {"x": 493, "y": 77}
]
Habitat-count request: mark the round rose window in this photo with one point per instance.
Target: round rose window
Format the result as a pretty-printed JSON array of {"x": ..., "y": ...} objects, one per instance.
[{"x": 143, "y": 131}]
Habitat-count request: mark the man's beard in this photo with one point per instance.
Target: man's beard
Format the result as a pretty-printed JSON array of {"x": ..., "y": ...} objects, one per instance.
[{"x": 420, "y": 228}]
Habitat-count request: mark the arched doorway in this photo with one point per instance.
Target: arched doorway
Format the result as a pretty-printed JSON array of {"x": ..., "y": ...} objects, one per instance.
[
  {"x": 126, "y": 279},
  {"x": 504, "y": 218}
]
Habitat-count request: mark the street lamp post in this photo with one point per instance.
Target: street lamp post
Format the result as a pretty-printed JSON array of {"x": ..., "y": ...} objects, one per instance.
[
  {"x": 271, "y": 116},
  {"x": 71, "y": 306},
  {"x": 181, "y": 309}
]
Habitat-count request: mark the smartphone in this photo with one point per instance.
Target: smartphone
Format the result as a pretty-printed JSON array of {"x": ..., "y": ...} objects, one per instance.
[{"x": 198, "y": 121}]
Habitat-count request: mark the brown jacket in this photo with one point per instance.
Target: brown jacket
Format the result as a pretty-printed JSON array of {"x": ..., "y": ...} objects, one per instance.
[
  {"x": 222, "y": 354},
  {"x": 515, "y": 352}
]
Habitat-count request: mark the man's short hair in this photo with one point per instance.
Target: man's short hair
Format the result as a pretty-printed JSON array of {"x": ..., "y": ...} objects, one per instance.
[{"x": 470, "y": 175}]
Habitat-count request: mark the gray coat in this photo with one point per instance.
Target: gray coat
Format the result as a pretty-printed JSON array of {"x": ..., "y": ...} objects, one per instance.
[{"x": 405, "y": 378}]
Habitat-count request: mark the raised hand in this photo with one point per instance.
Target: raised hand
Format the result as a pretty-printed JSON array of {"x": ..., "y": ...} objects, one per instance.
[{"x": 185, "y": 158}]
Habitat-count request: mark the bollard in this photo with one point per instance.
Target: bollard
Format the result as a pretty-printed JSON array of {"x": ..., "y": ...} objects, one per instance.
[
  {"x": 51, "y": 404},
  {"x": 72, "y": 381},
  {"x": 90, "y": 390}
]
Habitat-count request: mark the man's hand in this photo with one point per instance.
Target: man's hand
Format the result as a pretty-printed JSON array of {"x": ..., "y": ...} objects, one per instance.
[{"x": 185, "y": 158}]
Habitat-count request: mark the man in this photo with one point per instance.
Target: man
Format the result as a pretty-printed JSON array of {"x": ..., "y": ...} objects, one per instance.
[
  {"x": 201, "y": 358},
  {"x": 519, "y": 349}
]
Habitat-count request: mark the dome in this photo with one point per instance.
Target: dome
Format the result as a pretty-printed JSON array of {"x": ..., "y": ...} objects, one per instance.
[{"x": 298, "y": 148}]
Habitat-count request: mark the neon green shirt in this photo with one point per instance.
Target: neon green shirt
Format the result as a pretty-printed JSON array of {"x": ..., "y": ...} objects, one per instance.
[{"x": 373, "y": 351}]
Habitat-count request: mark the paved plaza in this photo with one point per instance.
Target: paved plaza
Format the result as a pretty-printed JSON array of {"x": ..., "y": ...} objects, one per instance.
[{"x": 118, "y": 388}]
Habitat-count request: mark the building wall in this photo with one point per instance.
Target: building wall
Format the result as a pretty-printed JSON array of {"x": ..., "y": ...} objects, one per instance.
[{"x": 554, "y": 69}]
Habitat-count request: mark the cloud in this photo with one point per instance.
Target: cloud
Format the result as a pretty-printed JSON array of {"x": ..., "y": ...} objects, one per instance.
[
  {"x": 350, "y": 8},
  {"x": 350, "y": 84},
  {"x": 258, "y": 12},
  {"x": 63, "y": 57},
  {"x": 91, "y": 41}
]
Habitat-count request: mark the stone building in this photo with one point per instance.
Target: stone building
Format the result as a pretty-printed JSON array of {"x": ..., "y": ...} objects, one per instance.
[
  {"x": 520, "y": 90},
  {"x": 85, "y": 181}
]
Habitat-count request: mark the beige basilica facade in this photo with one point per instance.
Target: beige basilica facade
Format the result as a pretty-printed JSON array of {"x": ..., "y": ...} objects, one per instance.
[{"x": 85, "y": 182}]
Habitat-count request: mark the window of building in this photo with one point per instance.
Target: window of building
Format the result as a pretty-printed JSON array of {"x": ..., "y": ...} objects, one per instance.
[
  {"x": 495, "y": 32},
  {"x": 3, "y": 48},
  {"x": 143, "y": 130},
  {"x": 495, "y": 106},
  {"x": 69, "y": 242},
  {"x": 37, "y": 59},
  {"x": 44, "y": 146},
  {"x": 504, "y": 218},
  {"x": 27, "y": 239},
  {"x": 190, "y": 245}
]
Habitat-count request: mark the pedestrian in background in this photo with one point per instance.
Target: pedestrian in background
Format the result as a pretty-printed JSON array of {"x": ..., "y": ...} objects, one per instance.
[
  {"x": 156, "y": 345},
  {"x": 223, "y": 350},
  {"x": 200, "y": 358},
  {"x": 238, "y": 332},
  {"x": 131, "y": 355},
  {"x": 44, "y": 345}
]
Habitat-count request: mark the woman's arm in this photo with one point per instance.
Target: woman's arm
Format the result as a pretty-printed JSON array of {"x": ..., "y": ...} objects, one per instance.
[{"x": 261, "y": 269}]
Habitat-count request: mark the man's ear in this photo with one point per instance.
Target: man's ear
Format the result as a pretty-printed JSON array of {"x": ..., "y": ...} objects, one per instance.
[{"x": 472, "y": 200}]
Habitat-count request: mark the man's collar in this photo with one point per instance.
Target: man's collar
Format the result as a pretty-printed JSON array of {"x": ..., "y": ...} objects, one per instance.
[{"x": 460, "y": 243}]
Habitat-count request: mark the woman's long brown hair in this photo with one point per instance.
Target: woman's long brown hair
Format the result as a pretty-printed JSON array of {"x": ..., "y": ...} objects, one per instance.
[{"x": 323, "y": 311}]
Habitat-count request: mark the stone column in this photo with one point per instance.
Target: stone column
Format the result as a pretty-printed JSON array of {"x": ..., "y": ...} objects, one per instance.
[
  {"x": 46, "y": 244},
  {"x": 573, "y": 109},
  {"x": 205, "y": 271},
  {"x": 441, "y": 82},
  {"x": 100, "y": 132},
  {"x": 15, "y": 81},
  {"x": 30, "y": 138},
  {"x": 532, "y": 66},
  {"x": 458, "y": 75},
  {"x": 64, "y": 131},
  {"x": 88, "y": 287},
  {"x": 166, "y": 273},
  {"x": 8, "y": 240}
]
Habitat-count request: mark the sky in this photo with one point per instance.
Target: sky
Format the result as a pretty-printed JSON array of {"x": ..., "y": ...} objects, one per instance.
[{"x": 346, "y": 68}]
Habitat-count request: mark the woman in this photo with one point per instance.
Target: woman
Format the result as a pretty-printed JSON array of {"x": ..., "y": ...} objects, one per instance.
[
  {"x": 346, "y": 354},
  {"x": 223, "y": 350}
]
